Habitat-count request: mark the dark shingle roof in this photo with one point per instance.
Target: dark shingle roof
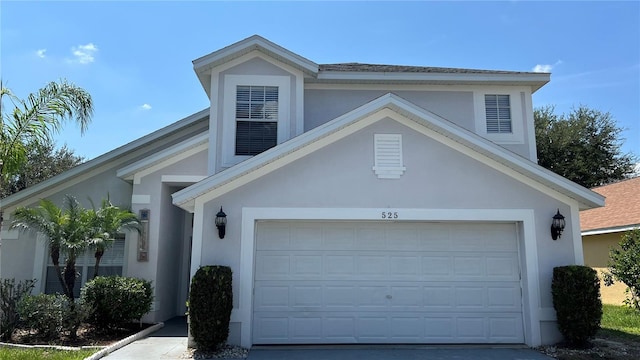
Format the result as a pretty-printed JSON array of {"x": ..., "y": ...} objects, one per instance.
[{"x": 359, "y": 67}]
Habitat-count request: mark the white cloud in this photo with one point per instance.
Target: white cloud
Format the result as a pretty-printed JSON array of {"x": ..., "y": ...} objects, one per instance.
[
  {"x": 542, "y": 68},
  {"x": 546, "y": 68},
  {"x": 40, "y": 53},
  {"x": 84, "y": 53},
  {"x": 145, "y": 107}
]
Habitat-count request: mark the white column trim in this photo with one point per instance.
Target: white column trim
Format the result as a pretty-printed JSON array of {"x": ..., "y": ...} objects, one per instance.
[
  {"x": 574, "y": 220},
  {"x": 196, "y": 245},
  {"x": 40, "y": 262},
  {"x": 212, "y": 162},
  {"x": 524, "y": 216}
]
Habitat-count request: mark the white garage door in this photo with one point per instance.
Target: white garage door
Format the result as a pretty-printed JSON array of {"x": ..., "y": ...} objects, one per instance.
[{"x": 373, "y": 282}]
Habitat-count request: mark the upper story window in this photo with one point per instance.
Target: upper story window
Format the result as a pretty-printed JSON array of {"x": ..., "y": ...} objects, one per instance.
[
  {"x": 255, "y": 115},
  {"x": 256, "y": 119},
  {"x": 498, "y": 114},
  {"x": 501, "y": 114}
]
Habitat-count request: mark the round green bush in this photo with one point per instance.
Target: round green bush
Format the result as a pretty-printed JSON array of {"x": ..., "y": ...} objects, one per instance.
[
  {"x": 576, "y": 298},
  {"x": 50, "y": 314},
  {"x": 210, "y": 305},
  {"x": 115, "y": 301}
]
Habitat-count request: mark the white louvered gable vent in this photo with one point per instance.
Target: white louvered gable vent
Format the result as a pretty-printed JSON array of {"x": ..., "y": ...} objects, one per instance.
[{"x": 388, "y": 156}]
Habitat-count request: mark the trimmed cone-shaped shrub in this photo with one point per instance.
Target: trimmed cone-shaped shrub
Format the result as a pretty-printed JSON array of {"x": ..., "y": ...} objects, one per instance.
[
  {"x": 576, "y": 298},
  {"x": 115, "y": 300},
  {"x": 210, "y": 304}
]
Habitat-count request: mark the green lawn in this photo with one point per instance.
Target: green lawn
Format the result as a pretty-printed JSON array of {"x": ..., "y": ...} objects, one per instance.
[
  {"x": 47, "y": 354},
  {"x": 620, "y": 321}
]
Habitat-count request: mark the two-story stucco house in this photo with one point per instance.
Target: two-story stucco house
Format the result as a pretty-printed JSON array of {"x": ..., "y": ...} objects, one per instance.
[{"x": 365, "y": 203}]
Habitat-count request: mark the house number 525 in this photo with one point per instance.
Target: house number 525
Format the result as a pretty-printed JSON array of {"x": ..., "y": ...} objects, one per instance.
[{"x": 389, "y": 215}]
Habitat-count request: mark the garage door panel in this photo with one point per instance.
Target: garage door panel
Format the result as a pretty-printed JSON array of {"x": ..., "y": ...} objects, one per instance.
[
  {"x": 469, "y": 297},
  {"x": 373, "y": 296},
  {"x": 353, "y": 282},
  {"x": 392, "y": 327},
  {"x": 273, "y": 266}
]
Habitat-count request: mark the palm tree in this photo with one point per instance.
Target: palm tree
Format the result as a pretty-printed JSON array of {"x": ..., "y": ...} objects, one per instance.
[
  {"x": 67, "y": 231},
  {"x": 108, "y": 221},
  {"x": 37, "y": 118}
]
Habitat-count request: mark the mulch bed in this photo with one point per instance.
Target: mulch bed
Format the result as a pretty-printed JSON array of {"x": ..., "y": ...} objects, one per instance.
[
  {"x": 599, "y": 348},
  {"x": 87, "y": 335}
]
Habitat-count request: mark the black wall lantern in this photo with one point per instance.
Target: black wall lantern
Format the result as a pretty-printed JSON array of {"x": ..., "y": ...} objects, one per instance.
[
  {"x": 221, "y": 223},
  {"x": 557, "y": 225}
]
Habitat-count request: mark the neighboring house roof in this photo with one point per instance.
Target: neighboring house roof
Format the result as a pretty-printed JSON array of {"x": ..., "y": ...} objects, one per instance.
[
  {"x": 418, "y": 118},
  {"x": 362, "y": 73},
  {"x": 119, "y": 155},
  {"x": 620, "y": 213}
]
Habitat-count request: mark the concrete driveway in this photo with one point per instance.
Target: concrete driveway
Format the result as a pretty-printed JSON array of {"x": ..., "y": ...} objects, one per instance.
[
  {"x": 170, "y": 343},
  {"x": 395, "y": 353}
]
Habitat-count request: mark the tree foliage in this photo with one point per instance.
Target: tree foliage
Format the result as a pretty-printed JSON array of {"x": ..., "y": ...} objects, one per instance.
[
  {"x": 584, "y": 146},
  {"x": 71, "y": 229},
  {"x": 67, "y": 231},
  {"x": 107, "y": 222},
  {"x": 624, "y": 266},
  {"x": 36, "y": 118},
  {"x": 43, "y": 162}
]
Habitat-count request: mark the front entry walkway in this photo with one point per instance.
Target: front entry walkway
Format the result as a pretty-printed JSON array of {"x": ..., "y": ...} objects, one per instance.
[{"x": 170, "y": 342}]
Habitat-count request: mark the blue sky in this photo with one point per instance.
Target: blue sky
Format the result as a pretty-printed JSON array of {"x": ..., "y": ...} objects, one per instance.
[{"x": 135, "y": 57}]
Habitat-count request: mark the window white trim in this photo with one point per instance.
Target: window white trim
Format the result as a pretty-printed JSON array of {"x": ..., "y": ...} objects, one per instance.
[
  {"x": 231, "y": 82},
  {"x": 517, "y": 119}
]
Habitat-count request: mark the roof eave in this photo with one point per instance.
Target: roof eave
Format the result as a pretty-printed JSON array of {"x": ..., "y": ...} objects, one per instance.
[
  {"x": 610, "y": 230},
  {"x": 99, "y": 161},
  {"x": 535, "y": 80},
  {"x": 584, "y": 197},
  {"x": 203, "y": 65}
]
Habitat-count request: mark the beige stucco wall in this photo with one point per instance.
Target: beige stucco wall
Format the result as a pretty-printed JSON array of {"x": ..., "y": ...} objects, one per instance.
[
  {"x": 596, "y": 254},
  {"x": 596, "y": 248}
]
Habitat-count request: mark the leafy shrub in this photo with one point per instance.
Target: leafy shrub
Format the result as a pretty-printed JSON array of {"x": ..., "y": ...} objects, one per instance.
[
  {"x": 115, "y": 300},
  {"x": 576, "y": 298},
  {"x": 624, "y": 265},
  {"x": 10, "y": 295},
  {"x": 210, "y": 304},
  {"x": 51, "y": 314}
]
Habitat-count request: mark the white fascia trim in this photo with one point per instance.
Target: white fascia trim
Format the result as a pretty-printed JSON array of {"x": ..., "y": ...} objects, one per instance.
[
  {"x": 418, "y": 119},
  {"x": 524, "y": 216},
  {"x": 213, "y": 59},
  {"x": 182, "y": 178},
  {"x": 81, "y": 172},
  {"x": 610, "y": 230},
  {"x": 536, "y": 80},
  {"x": 128, "y": 171}
]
